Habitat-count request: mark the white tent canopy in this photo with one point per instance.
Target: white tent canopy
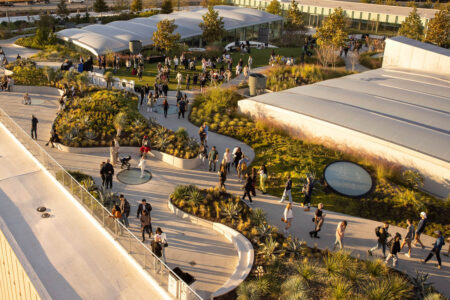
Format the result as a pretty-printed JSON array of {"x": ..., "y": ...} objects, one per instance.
[{"x": 115, "y": 36}]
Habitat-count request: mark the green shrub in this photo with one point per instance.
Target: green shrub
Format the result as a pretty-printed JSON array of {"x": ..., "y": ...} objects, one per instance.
[{"x": 370, "y": 62}]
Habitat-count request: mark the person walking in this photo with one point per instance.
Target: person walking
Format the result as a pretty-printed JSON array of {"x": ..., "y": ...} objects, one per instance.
[
  {"x": 254, "y": 174},
  {"x": 206, "y": 128},
  {"x": 340, "y": 229},
  {"x": 222, "y": 176},
  {"x": 237, "y": 155},
  {"x": 161, "y": 238},
  {"x": 307, "y": 192},
  {"x": 227, "y": 159},
  {"x": 287, "y": 190},
  {"x": 288, "y": 216},
  {"x": 34, "y": 122},
  {"x": 319, "y": 218},
  {"x": 142, "y": 165},
  {"x": 242, "y": 167},
  {"x": 179, "y": 77},
  {"x": 203, "y": 154},
  {"x": 124, "y": 210},
  {"x": 382, "y": 234},
  {"x": 420, "y": 229},
  {"x": 143, "y": 206},
  {"x": 394, "y": 250},
  {"x": 108, "y": 170},
  {"x": 102, "y": 174},
  {"x": 408, "y": 237},
  {"x": 165, "y": 107},
  {"x": 262, "y": 179},
  {"x": 146, "y": 225},
  {"x": 181, "y": 108},
  {"x": 437, "y": 246},
  {"x": 213, "y": 157},
  {"x": 247, "y": 187}
]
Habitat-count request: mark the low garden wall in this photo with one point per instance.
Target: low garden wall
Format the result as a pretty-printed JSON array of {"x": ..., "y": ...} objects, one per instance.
[
  {"x": 47, "y": 90},
  {"x": 181, "y": 163},
  {"x": 243, "y": 247}
]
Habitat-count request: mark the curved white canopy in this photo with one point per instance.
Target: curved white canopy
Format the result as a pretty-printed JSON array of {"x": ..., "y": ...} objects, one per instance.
[{"x": 115, "y": 36}]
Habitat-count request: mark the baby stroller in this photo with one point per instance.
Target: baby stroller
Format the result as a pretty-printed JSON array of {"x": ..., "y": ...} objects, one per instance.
[{"x": 125, "y": 162}]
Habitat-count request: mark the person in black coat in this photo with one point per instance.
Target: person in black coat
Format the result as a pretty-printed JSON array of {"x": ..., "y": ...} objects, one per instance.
[
  {"x": 108, "y": 170},
  {"x": 144, "y": 206},
  {"x": 34, "y": 122},
  {"x": 247, "y": 187}
]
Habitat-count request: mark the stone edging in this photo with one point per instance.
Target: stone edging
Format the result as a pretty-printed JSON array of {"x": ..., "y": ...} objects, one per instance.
[
  {"x": 243, "y": 247},
  {"x": 181, "y": 163},
  {"x": 47, "y": 90}
]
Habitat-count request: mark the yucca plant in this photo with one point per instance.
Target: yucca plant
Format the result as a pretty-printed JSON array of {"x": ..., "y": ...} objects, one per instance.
[
  {"x": 375, "y": 268},
  {"x": 231, "y": 211},
  {"x": 248, "y": 290},
  {"x": 264, "y": 230},
  {"x": 258, "y": 216},
  {"x": 400, "y": 288},
  {"x": 340, "y": 289},
  {"x": 294, "y": 247},
  {"x": 421, "y": 284},
  {"x": 88, "y": 184},
  {"x": 294, "y": 288},
  {"x": 308, "y": 271},
  {"x": 195, "y": 197},
  {"x": 269, "y": 249}
]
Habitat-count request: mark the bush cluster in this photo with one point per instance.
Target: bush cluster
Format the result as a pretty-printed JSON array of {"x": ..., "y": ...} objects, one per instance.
[
  {"x": 370, "y": 62},
  {"x": 393, "y": 199},
  {"x": 91, "y": 121}
]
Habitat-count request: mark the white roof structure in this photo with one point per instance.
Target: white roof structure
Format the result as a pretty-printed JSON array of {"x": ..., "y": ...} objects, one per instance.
[{"x": 115, "y": 36}]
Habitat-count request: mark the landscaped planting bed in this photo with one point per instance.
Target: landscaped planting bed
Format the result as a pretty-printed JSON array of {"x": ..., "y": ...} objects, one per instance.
[
  {"x": 367, "y": 60},
  {"x": 95, "y": 119},
  {"x": 285, "y": 268},
  {"x": 394, "y": 198}
]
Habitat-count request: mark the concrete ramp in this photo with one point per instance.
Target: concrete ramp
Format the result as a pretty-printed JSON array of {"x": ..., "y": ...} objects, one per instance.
[{"x": 71, "y": 255}]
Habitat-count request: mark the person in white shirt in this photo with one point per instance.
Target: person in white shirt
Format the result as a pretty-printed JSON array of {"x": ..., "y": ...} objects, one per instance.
[
  {"x": 179, "y": 78},
  {"x": 161, "y": 238},
  {"x": 287, "y": 218},
  {"x": 175, "y": 62},
  {"x": 340, "y": 235},
  {"x": 227, "y": 159}
]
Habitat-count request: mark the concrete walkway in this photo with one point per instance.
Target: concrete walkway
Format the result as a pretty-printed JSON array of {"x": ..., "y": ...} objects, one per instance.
[
  {"x": 359, "y": 235},
  {"x": 11, "y": 50},
  {"x": 202, "y": 252}
]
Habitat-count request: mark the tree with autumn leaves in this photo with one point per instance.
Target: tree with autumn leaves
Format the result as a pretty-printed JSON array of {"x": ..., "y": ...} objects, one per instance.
[{"x": 164, "y": 38}]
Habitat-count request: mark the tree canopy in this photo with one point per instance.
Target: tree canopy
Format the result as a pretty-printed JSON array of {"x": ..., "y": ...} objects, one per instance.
[
  {"x": 121, "y": 5},
  {"x": 412, "y": 26},
  {"x": 212, "y": 26},
  {"x": 274, "y": 8},
  {"x": 294, "y": 20},
  {"x": 164, "y": 38},
  {"x": 61, "y": 9},
  {"x": 136, "y": 5},
  {"x": 100, "y": 6},
  {"x": 439, "y": 28},
  {"x": 167, "y": 7}
]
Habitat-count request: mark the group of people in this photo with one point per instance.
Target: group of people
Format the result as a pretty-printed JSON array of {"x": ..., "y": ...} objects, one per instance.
[{"x": 6, "y": 83}]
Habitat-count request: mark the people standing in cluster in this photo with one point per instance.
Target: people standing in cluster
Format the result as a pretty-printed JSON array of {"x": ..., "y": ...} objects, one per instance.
[
  {"x": 307, "y": 192},
  {"x": 394, "y": 250},
  {"x": 437, "y": 246},
  {"x": 108, "y": 170},
  {"x": 146, "y": 225},
  {"x": 247, "y": 187},
  {"x": 287, "y": 193},
  {"x": 262, "y": 179},
  {"x": 34, "y": 122},
  {"x": 124, "y": 210},
  {"x": 420, "y": 229},
  {"x": 340, "y": 230},
  {"x": 408, "y": 237},
  {"x": 213, "y": 157},
  {"x": 319, "y": 218},
  {"x": 382, "y": 233},
  {"x": 288, "y": 216}
]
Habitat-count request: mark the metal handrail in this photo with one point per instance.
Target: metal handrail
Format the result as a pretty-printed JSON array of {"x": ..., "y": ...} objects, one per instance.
[{"x": 14, "y": 125}]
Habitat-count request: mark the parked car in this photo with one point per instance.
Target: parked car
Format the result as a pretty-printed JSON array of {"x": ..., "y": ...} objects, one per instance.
[{"x": 6, "y": 4}]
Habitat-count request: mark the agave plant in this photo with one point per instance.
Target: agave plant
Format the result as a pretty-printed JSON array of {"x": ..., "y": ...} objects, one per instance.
[
  {"x": 264, "y": 230},
  {"x": 68, "y": 137},
  {"x": 269, "y": 249},
  {"x": 161, "y": 142},
  {"x": 75, "y": 131},
  {"x": 195, "y": 197},
  {"x": 91, "y": 135},
  {"x": 294, "y": 247},
  {"x": 421, "y": 284},
  {"x": 258, "y": 216},
  {"x": 231, "y": 211},
  {"x": 337, "y": 262},
  {"x": 294, "y": 289},
  {"x": 182, "y": 192},
  {"x": 376, "y": 268}
]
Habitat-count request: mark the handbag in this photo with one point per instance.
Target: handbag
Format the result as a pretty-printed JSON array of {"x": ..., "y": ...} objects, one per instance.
[{"x": 165, "y": 245}]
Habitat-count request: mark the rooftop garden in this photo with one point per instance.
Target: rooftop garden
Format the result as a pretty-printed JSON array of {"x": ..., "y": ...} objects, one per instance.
[
  {"x": 94, "y": 120},
  {"x": 395, "y": 196}
]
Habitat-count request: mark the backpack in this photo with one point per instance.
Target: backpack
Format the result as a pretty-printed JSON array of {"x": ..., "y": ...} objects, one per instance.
[{"x": 377, "y": 231}]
